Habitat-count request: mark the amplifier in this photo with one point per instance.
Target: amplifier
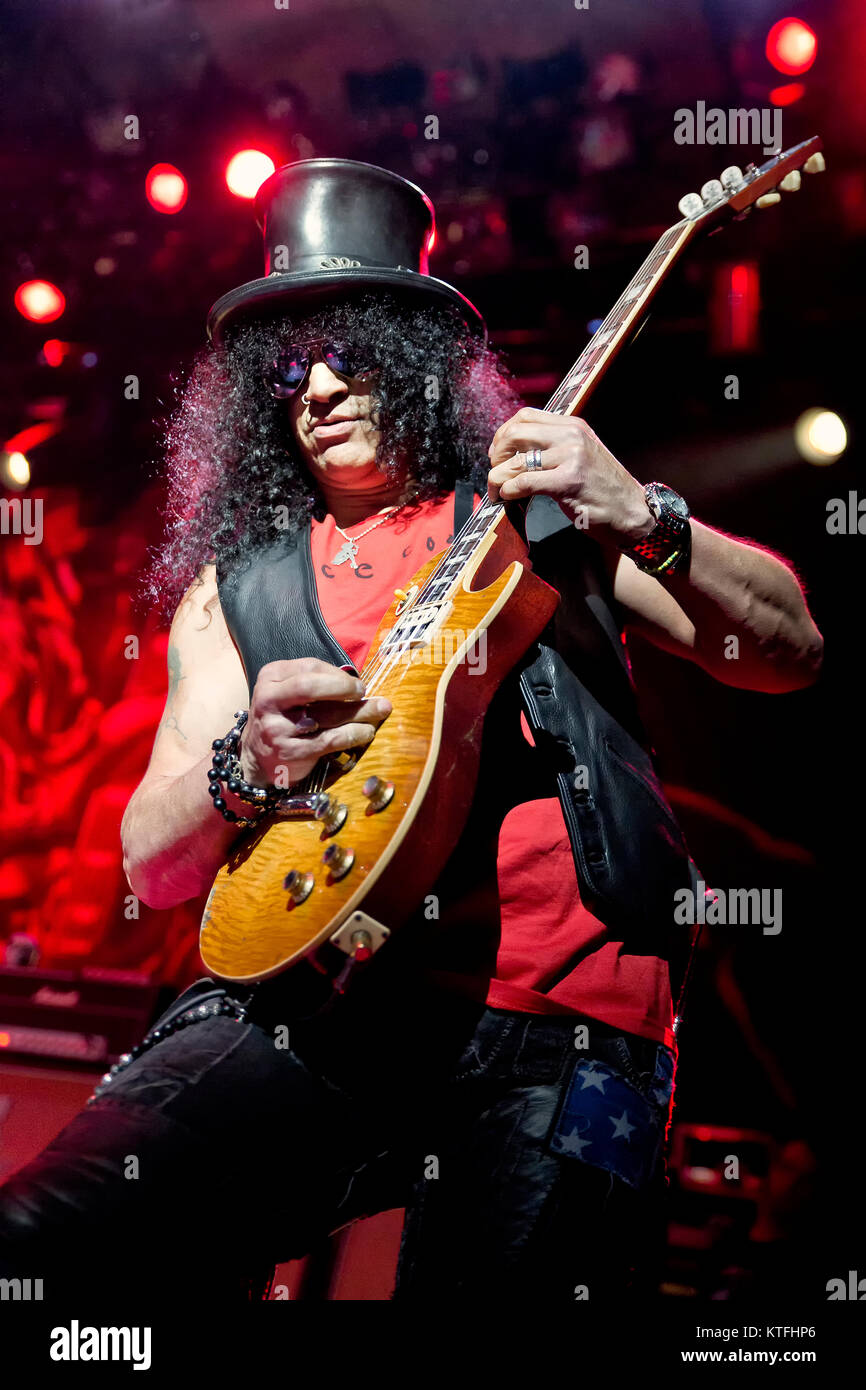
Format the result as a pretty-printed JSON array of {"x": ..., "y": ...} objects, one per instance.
[
  {"x": 36, "y": 1101},
  {"x": 86, "y": 1017}
]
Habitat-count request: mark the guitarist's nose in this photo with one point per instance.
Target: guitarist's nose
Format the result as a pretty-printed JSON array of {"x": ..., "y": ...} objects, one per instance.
[{"x": 323, "y": 385}]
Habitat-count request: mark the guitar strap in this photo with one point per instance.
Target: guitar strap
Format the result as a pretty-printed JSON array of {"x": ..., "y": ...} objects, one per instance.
[{"x": 464, "y": 494}]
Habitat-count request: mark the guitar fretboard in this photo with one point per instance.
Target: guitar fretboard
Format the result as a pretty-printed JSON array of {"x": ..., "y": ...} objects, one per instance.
[
  {"x": 619, "y": 325},
  {"x": 573, "y": 392}
]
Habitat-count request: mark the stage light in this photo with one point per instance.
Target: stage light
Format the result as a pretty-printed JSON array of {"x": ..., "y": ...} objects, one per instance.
[
  {"x": 39, "y": 301},
  {"x": 820, "y": 436},
  {"x": 27, "y": 439},
  {"x": 735, "y": 307},
  {"x": 166, "y": 188},
  {"x": 787, "y": 94},
  {"x": 791, "y": 46},
  {"x": 246, "y": 172},
  {"x": 15, "y": 469},
  {"x": 54, "y": 350}
]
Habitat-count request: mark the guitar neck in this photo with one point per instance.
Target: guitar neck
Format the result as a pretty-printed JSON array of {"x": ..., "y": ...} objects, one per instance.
[
  {"x": 732, "y": 195},
  {"x": 576, "y": 387}
]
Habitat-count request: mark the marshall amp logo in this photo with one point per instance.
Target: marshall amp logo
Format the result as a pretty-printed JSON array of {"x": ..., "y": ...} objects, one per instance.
[{"x": 336, "y": 262}]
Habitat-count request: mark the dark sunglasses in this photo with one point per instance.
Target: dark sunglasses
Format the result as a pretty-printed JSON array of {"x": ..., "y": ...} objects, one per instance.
[{"x": 290, "y": 368}]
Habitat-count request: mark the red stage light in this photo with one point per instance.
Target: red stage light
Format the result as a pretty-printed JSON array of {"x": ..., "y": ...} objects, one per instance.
[
  {"x": 27, "y": 439},
  {"x": 246, "y": 172},
  {"x": 791, "y": 46},
  {"x": 744, "y": 303},
  {"x": 787, "y": 94},
  {"x": 166, "y": 188},
  {"x": 736, "y": 307},
  {"x": 39, "y": 301},
  {"x": 54, "y": 350}
]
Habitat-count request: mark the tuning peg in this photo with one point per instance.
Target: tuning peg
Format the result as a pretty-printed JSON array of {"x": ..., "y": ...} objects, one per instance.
[
  {"x": 791, "y": 182},
  {"x": 731, "y": 177},
  {"x": 691, "y": 205},
  {"x": 712, "y": 191},
  {"x": 768, "y": 199},
  {"x": 815, "y": 164}
]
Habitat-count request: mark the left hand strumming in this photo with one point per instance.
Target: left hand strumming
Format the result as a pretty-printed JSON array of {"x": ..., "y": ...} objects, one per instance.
[{"x": 591, "y": 486}]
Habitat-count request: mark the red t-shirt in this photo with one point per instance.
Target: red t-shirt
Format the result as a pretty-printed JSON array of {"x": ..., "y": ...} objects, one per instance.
[{"x": 551, "y": 954}]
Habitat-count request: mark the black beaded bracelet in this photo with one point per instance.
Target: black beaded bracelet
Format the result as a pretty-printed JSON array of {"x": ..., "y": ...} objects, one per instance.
[{"x": 226, "y": 768}]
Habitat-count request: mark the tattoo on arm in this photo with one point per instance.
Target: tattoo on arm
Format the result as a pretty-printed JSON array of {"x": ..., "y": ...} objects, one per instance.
[{"x": 168, "y": 720}]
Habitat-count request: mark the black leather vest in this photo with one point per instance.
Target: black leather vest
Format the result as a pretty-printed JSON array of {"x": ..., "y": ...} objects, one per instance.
[{"x": 576, "y": 691}]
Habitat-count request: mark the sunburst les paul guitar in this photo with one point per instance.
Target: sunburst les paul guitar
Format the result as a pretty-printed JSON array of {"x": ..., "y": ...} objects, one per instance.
[{"x": 360, "y": 841}]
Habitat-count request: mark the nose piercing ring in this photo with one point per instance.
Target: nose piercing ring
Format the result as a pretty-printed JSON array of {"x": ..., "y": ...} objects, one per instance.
[{"x": 305, "y": 399}]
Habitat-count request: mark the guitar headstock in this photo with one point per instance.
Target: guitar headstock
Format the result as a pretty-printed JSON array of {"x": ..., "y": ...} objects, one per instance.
[{"x": 736, "y": 191}]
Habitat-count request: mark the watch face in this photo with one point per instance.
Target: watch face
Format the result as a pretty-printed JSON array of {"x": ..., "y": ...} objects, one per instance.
[{"x": 668, "y": 498}]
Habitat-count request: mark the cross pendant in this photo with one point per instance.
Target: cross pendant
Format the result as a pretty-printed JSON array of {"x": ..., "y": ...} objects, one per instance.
[{"x": 348, "y": 550}]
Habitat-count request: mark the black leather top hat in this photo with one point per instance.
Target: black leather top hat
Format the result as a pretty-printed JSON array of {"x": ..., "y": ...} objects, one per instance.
[{"x": 331, "y": 225}]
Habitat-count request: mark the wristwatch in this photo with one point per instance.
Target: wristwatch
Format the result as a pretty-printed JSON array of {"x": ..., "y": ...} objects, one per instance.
[{"x": 666, "y": 548}]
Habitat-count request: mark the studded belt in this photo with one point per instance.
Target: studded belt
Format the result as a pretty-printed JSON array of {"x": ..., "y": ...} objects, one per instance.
[{"x": 209, "y": 1008}]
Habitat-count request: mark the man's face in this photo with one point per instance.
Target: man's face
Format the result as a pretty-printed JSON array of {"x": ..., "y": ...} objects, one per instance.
[{"x": 334, "y": 430}]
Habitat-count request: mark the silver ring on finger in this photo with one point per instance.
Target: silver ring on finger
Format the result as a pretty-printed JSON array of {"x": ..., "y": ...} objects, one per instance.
[{"x": 533, "y": 460}]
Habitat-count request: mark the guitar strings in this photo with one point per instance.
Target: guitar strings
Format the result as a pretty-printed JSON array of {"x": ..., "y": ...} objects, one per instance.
[
  {"x": 383, "y": 662},
  {"x": 665, "y": 244},
  {"x": 379, "y": 666}
]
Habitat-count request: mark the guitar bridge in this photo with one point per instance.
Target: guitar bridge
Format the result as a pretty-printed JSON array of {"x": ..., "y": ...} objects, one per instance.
[{"x": 302, "y": 807}]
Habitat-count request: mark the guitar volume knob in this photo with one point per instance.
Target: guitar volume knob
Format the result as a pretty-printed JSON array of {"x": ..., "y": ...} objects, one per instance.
[
  {"x": 332, "y": 814},
  {"x": 378, "y": 792},
  {"x": 338, "y": 860},
  {"x": 298, "y": 886}
]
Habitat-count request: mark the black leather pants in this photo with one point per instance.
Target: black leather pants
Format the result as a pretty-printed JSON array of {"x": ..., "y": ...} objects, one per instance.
[{"x": 229, "y": 1147}]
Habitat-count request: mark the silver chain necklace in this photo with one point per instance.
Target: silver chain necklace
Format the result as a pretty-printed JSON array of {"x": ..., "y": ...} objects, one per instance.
[{"x": 349, "y": 549}]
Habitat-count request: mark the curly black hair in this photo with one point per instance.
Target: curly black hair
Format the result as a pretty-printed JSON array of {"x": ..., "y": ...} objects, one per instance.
[{"x": 230, "y": 458}]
